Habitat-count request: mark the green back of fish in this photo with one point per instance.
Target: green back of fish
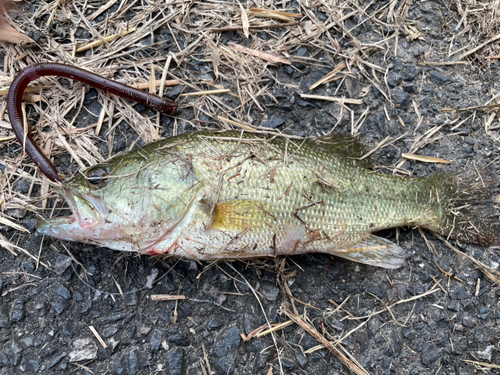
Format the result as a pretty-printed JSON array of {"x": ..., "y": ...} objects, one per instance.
[{"x": 280, "y": 184}]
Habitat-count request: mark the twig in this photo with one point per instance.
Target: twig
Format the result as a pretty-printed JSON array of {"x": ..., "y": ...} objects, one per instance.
[
  {"x": 350, "y": 364},
  {"x": 332, "y": 99},
  {"x": 481, "y": 364},
  {"x": 489, "y": 272},
  {"x": 479, "y": 107},
  {"x": 261, "y": 27},
  {"x": 263, "y": 55},
  {"x": 442, "y": 63},
  {"x": 491, "y": 40},
  {"x": 98, "y": 337},
  {"x": 166, "y": 297},
  {"x": 208, "y": 92},
  {"x": 107, "y": 39},
  {"x": 275, "y": 328},
  {"x": 425, "y": 159},
  {"x": 145, "y": 85},
  {"x": 330, "y": 75}
]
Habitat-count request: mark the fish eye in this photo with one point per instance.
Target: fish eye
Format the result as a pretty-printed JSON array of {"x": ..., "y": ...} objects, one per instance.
[{"x": 97, "y": 178}]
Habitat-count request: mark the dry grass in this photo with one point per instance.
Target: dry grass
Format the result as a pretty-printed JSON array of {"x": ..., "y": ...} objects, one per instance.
[
  {"x": 479, "y": 23},
  {"x": 122, "y": 46}
]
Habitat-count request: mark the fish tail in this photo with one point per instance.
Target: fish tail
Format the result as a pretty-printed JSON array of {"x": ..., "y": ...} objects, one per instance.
[{"x": 471, "y": 206}]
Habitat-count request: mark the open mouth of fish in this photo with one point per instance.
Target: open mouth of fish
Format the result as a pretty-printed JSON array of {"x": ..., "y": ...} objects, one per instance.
[{"x": 85, "y": 222}]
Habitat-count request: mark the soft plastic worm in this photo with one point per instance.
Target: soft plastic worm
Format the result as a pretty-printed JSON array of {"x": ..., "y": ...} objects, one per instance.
[{"x": 33, "y": 72}]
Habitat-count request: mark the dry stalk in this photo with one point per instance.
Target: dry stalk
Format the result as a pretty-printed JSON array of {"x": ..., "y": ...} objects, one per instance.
[
  {"x": 489, "y": 272},
  {"x": 350, "y": 363}
]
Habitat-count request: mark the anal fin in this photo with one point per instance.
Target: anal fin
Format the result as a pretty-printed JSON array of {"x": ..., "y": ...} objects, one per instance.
[{"x": 374, "y": 251}]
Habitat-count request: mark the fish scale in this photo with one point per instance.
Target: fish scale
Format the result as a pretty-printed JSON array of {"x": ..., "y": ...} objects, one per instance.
[
  {"x": 345, "y": 215},
  {"x": 226, "y": 195}
]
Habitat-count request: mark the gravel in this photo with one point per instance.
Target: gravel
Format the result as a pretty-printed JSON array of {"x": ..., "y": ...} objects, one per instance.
[
  {"x": 273, "y": 122},
  {"x": 227, "y": 342},
  {"x": 156, "y": 340},
  {"x": 83, "y": 349},
  {"x": 17, "y": 311},
  {"x": 430, "y": 354},
  {"x": 176, "y": 362}
]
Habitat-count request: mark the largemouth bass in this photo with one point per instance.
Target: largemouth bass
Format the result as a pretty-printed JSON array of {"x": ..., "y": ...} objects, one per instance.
[{"x": 230, "y": 195}]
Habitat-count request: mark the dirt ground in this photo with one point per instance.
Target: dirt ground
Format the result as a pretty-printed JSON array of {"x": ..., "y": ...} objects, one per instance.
[{"x": 412, "y": 65}]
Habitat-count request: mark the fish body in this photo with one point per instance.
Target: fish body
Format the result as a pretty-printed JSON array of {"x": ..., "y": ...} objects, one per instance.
[{"x": 230, "y": 195}]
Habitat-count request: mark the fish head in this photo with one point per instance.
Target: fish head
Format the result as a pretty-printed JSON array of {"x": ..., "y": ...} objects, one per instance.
[
  {"x": 88, "y": 200},
  {"x": 130, "y": 203}
]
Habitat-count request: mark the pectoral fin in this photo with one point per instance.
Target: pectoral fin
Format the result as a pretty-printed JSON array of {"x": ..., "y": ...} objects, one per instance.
[
  {"x": 238, "y": 215},
  {"x": 374, "y": 251}
]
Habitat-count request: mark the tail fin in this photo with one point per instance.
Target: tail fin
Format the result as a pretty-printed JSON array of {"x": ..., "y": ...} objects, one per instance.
[{"x": 473, "y": 208}]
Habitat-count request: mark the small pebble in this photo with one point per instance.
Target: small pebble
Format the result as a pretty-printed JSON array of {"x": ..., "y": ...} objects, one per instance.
[
  {"x": 16, "y": 351},
  {"x": 4, "y": 360},
  {"x": 430, "y": 354},
  {"x": 17, "y": 311},
  {"x": 29, "y": 267},
  {"x": 156, "y": 340},
  {"x": 439, "y": 77},
  {"x": 400, "y": 97},
  {"x": 151, "y": 278},
  {"x": 133, "y": 362},
  {"x": 108, "y": 332},
  {"x": 216, "y": 322},
  {"x": 486, "y": 353},
  {"x": 469, "y": 322},
  {"x": 59, "y": 305},
  {"x": 64, "y": 292},
  {"x": 459, "y": 293},
  {"x": 84, "y": 349},
  {"x": 112, "y": 343},
  {"x": 176, "y": 362},
  {"x": 58, "y": 358},
  {"x": 273, "y": 122},
  {"x": 229, "y": 340},
  {"x": 270, "y": 292},
  {"x": 61, "y": 264}
]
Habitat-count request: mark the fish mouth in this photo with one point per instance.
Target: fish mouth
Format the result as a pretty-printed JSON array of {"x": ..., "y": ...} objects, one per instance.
[
  {"x": 60, "y": 227},
  {"x": 88, "y": 213}
]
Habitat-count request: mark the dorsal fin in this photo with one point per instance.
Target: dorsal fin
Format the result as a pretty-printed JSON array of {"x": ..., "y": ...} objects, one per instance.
[{"x": 344, "y": 145}]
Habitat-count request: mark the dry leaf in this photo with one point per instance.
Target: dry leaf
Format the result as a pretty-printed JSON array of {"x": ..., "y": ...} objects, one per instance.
[
  {"x": 425, "y": 159},
  {"x": 108, "y": 39},
  {"x": 244, "y": 21},
  {"x": 263, "y": 55},
  {"x": 215, "y": 61},
  {"x": 329, "y": 76},
  {"x": 10, "y": 35},
  {"x": 309, "y": 27},
  {"x": 413, "y": 33},
  {"x": 275, "y": 14},
  {"x": 9, "y": 223},
  {"x": 365, "y": 90}
]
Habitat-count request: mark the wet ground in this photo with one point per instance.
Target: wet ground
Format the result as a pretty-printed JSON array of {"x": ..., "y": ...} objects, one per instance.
[{"x": 46, "y": 309}]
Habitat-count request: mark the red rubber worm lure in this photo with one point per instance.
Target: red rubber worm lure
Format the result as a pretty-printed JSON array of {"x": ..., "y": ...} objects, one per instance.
[{"x": 33, "y": 72}]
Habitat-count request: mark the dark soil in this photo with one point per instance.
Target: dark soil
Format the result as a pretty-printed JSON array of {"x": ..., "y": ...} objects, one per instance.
[{"x": 45, "y": 312}]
